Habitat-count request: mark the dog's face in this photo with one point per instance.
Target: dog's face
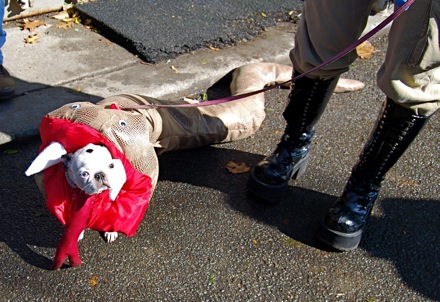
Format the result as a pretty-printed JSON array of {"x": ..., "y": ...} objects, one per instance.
[{"x": 93, "y": 170}]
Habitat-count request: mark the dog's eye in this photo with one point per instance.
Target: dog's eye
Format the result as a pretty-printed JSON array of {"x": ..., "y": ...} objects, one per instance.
[
  {"x": 111, "y": 166},
  {"x": 84, "y": 174},
  {"x": 122, "y": 123},
  {"x": 75, "y": 106}
]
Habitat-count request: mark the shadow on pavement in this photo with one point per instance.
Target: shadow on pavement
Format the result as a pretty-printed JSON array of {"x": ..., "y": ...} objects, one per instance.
[
  {"x": 21, "y": 115},
  {"x": 407, "y": 235},
  {"x": 23, "y": 212}
]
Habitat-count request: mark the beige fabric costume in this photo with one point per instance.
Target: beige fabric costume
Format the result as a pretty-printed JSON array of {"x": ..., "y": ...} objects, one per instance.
[
  {"x": 410, "y": 74},
  {"x": 142, "y": 134}
]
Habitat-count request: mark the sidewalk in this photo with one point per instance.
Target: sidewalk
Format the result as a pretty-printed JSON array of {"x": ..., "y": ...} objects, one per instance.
[{"x": 78, "y": 64}]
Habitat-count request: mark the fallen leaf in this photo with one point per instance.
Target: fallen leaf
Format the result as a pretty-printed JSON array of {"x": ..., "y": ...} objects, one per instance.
[
  {"x": 204, "y": 96},
  {"x": 75, "y": 19},
  {"x": 211, "y": 279},
  {"x": 61, "y": 15},
  {"x": 91, "y": 28},
  {"x": 255, "y": 242},
  {"x": 11, "y": 151},
  {"x": 214, "y": 48},
  {"x": 93, "y": 281},
  {"x": 173, "y": 68},
  {"x": 264, "y": 15},
  {"x": 237, "y": 168},
  {"x": 365, "y": 50},
  {"x": 292, "y": 242},
  {"x": 30, "y": 25},
  {"x": 65, "y": 25},
  {"x": 32, "y": 39},
  {"x": 68, "y": 15}
]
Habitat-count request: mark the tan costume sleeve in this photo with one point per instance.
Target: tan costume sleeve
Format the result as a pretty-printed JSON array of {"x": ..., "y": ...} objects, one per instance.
[{"x": 142, "y": 134}]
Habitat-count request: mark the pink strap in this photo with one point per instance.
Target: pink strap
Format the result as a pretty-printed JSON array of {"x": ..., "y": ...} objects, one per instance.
[{"x": 371, "y": 33}]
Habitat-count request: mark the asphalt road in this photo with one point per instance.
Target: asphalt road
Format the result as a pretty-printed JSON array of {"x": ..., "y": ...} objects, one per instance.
[{"x": 160, "y": 30}]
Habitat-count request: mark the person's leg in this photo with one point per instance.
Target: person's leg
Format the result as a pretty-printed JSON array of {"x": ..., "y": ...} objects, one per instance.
[
  {"x": 326, "y": 28},
  {"x": 409, "y": 77},
  {"x": 411, "y": 73},
  {"x": 2, "y": 32},
  {"x": 346, "y": 219},
  {"x": 7, "y": 84}
]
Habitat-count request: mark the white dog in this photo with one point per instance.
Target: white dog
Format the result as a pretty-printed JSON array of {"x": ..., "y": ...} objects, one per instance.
[{"x": 91, "y": 169}]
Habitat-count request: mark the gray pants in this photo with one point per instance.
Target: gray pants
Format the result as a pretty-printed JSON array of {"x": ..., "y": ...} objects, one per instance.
[{"x": 410, "y": 74}]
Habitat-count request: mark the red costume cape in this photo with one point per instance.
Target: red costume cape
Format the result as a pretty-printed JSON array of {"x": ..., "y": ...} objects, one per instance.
[{"x": 121, "y": 215}]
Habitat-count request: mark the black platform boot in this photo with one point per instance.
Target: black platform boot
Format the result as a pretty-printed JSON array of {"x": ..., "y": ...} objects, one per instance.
[
  {"x": 269, "y": 178},
  {"x": 346, "y": 219}
]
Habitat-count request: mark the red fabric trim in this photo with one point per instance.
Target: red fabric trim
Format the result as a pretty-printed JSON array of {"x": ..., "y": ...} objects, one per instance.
[{"x": 121, "y": 215}]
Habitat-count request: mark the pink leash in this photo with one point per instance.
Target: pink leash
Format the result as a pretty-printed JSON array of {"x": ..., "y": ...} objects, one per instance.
[{"x": 371, "y": 33}]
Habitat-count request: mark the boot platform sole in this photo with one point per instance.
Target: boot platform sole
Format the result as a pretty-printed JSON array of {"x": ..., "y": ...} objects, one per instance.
[
  {"x": 338, "y": 240},
  {"x": 269, "y": 193},
  {"x": 275, "y": 193}
]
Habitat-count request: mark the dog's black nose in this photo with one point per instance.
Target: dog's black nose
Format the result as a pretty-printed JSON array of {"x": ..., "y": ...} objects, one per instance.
[{"x": 100, "y": 176}]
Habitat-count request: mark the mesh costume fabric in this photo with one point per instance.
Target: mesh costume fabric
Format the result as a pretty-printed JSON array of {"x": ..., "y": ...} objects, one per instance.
[{"x": 142, "y": 134}]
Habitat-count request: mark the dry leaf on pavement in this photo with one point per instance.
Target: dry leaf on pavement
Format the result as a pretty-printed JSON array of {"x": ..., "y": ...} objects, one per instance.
[
  {"x": 68, "y": 15},
  {"x": 65, "y": 25},
  {"x": 75, "y": 19},
  {"x": 30, "y": 25},
  {"x": 214, "y": 48},
  {"x": 61, "y": 15},
  {"x": 32, "y": 39},
  {"x": 237, "y": 168},
  {"x": 93, "y": 281},
  {"x": 365, "y": 50}
]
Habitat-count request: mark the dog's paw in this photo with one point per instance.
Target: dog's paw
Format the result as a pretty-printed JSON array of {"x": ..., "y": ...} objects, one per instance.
[
  {"x": 81, "y": 236},
  {"x": 110, "y": 237}
]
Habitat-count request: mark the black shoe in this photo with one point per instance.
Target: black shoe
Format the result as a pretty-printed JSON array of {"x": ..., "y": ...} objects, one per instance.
[
  {"x": 347, "y": 218},
  {"x": 7, "y": 84},
  {"x": 269, "y": 178}
]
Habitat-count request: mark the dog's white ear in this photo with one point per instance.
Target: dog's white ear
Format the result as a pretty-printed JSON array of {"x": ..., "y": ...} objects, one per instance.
[
  {"x": 116, "y": 178},
  {"x": 51, "y": 155}
]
